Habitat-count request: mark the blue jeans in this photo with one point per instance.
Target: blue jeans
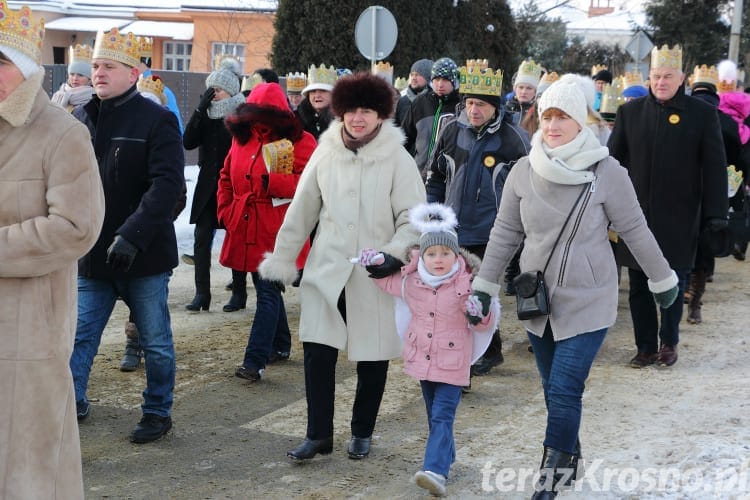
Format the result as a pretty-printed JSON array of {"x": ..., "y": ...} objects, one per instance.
[
  {"x": 441, "y": 401},
  {"x": 147, "y": 299},
  {"x": 564, "y": 366},
  {"x": 643, "y": 312},
  {"x": 269, "y": 323}
]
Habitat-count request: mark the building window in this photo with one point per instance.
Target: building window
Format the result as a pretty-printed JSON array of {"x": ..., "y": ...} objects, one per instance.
[
  {"x": 228, "y": 49},
  {"x": 177, "y": 56}
]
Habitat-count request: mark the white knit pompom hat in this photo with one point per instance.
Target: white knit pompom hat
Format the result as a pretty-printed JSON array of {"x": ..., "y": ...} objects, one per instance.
[{"x": 568, "y": 97}]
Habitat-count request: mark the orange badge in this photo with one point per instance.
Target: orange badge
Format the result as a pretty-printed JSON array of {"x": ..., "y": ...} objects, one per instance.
[
  {"x": 489, "y": 161},
  {"x": 674, "y": 119}
]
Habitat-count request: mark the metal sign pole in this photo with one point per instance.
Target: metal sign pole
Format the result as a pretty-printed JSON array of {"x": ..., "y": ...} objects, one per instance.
[{"x": 374, "y": 36}]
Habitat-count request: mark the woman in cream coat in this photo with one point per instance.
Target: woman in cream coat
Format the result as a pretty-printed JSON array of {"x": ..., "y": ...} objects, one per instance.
[
  {"x": 51, "y": 210},
  {"x": 357, "y": 187},
  {"x": 567, "y": 167}
]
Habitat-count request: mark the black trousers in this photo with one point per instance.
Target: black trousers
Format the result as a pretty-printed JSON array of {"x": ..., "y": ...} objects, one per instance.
[
  {"x": 320, "y": 384},
  {"x": 204, "y": 237}
]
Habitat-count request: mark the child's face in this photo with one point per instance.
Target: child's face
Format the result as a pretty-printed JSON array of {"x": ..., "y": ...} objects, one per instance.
[{"x": 439, "y": 260}]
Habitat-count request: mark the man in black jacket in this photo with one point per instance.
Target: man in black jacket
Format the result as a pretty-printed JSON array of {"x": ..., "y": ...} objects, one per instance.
[
  {"x": 431, "y": 111},
  {"x": 139, "y": 150},
  {"x": 468, "y": 167},
  {"x": 672, "y": 147}
]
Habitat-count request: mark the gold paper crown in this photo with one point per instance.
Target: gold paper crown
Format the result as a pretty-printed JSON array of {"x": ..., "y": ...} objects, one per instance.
[
  {"x": 153, "y": 84},
  {"x": 295, "y": 82},
  {"x": 249, "y": 82},
  {"x": 80, "y": 53},
  {"x": 401, "y": 83},
  {"x": 279, "y": 156},
  {"x": 665, "y": 57},
  {"x": 19, "y": 31},
  {"x": 704, "y": 74},
  {"x": 322, "y": 74},
  {"x": 477, "y": 78},
  {"x": 145, "y": 46},
  {"x": 383, "y": 70},
  {"x": 117, "y": 47},
  {"x": 611, "y": 99},
  {"x": 632, "y": 79},
  {"x": 596, "y": 68},
  {"x": 529, "y": 72}
]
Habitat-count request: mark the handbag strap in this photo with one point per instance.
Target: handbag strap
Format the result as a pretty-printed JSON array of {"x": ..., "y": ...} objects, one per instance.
[{"x": 559, "y": 235}]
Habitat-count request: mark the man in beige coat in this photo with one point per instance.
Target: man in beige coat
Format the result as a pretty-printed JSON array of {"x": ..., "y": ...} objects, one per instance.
[{"x": 51, "y": 210}]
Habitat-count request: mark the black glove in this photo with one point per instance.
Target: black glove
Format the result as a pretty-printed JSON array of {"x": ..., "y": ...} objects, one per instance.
[
  {"x": 484, "y": 299},
  {"x": 278, "y": 285},
  {"x": 121, "y": 254},
  {"x": 389, "y": 266},
  {"x": 717, "y": 224},
  {"x": 206, "y": 99}
]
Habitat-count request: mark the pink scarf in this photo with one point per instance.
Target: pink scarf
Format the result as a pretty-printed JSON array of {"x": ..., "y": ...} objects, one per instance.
[{"x": 737, "y": 105}]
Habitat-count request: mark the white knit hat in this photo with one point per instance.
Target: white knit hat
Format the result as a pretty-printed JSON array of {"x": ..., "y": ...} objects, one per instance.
[
  {"x": 26, "y": 65},
  {"x": 567, "y": 96}
]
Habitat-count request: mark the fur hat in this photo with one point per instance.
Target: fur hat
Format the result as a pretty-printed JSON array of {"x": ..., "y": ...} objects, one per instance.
[
  {"x": 423, "y": 67},
  {"x": 362, "y": 90},
  {"x": 567, "y": 96},
  {"x": 226, "y": 76},
  {"x": 445, "y": 67},
  {"x": 437, "y": 223},
  {"x": 604, "y": 74}
]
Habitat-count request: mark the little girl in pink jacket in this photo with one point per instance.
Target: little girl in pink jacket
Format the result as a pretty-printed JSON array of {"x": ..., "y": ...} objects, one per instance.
[{"x": 442, "y": 327}]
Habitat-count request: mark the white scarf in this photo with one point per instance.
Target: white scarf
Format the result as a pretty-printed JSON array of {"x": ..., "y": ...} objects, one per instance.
[
  {"x": 431, "y": 279},
  {"x": 567, "y": 164},
  {"x": 220, "y": 109},
  {"x": 72, "y": 96}
]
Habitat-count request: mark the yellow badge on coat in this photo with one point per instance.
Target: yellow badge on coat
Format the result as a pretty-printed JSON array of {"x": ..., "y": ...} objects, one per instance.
[
  {"x": 674, "y": 119},
  {"x": 489, "y": 161}
]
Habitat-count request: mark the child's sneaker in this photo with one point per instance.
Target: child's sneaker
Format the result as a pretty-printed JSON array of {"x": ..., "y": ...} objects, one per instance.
[{"x": 432, "y": 482}]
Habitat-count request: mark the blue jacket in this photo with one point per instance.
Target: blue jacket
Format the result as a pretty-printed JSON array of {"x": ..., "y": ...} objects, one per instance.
[
  {"x": 141, "y": 161},
  {"x": 468, "y": 169}
]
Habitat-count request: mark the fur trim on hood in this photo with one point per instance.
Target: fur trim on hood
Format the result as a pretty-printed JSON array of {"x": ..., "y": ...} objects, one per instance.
[
  {"x": 472, "y": 260},
  {"x": 267, "y": 107}
]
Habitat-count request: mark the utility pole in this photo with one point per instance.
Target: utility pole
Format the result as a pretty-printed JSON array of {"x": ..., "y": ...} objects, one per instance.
[{"x": 734, "y": 35}]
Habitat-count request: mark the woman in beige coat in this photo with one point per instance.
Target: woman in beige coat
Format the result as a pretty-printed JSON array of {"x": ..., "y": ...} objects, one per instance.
[
  {"x": 51, "y": 210},
  {"x": 568, "y": 171},
  {"x": 357, "y": 187}
]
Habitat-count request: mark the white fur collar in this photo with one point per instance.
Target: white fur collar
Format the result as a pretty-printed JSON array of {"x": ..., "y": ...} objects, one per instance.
[
  {"x": 379, "y": 149},
  {"x": 16, "y": 108}
]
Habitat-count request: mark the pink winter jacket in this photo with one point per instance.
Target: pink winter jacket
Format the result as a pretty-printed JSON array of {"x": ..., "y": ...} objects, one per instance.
[{"x": 438, "y": 340}]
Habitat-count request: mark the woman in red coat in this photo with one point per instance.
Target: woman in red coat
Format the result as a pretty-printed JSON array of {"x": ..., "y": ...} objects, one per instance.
[{"x": 252, "y": 200}]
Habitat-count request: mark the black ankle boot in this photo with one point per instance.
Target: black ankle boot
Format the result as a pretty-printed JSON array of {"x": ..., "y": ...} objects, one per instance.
[
  {"x": 201, "y": 301},
  {"x": 237, "y": 301},
  {"x": 311, "y": 447},
  {"x": 555, "y": 471},
  {"x": 131, "y": 359}
]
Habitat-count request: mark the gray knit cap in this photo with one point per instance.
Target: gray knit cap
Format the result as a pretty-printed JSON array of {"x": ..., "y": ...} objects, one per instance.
[
  {"x": 437, "y": 224},
  {"x": 445, "y": 238},
  {"x": 423, "y": 67},
  {"x": 226, "y": 77}
]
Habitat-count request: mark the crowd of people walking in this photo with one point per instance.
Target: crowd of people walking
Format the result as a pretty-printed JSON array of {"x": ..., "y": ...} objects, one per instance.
[{"x": 401, "y": 217}]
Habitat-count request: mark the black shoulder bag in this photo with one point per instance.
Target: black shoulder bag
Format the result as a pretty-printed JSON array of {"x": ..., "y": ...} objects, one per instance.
[{"x": 532, "y": 299}]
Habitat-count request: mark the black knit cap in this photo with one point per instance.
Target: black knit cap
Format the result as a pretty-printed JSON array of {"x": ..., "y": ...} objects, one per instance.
[
  {"x": 495, "y": 100},
  {"x": 362, "y": 90},
  {"x": 604, "y": 75}
]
